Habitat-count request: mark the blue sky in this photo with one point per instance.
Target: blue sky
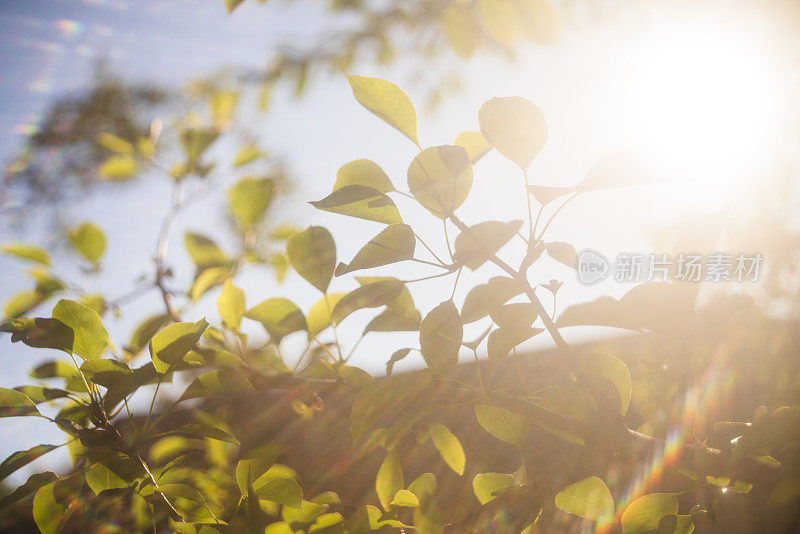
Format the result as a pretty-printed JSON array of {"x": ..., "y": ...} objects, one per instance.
[{"x": 48, "y": 48}]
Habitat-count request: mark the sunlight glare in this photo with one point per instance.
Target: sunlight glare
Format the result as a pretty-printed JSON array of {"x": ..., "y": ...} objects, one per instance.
[{"x": 705, "y": 102}]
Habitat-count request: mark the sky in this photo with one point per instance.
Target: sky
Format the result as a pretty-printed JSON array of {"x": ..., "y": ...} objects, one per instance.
[{"x": 590, "y": 86}]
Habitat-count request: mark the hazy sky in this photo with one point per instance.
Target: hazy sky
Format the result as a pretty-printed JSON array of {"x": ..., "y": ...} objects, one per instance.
[{"x": 589, "y": 86}]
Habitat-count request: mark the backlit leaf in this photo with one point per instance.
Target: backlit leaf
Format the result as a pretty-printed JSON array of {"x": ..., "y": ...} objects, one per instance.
[
  {"x": 32, "y": 485},
  {"x": 91, "y": 337},
  {"x": 279, "y": 316},
  {"x": 487, "y": 485},
  {"x": 114, "y": 143},
  {"x": 390, "y": 478},
  {"x": 255, "y": 463},
  {"x": 119, "y": 167},
  {"x": 369, "y": 295},
  {"x": 473, "y": 247},
  {"x": 247, "y": 154},
  {"x": 231, "y": 304},
  {"x": 485, "y": 298},
  {"x": 16, "y": 404},
  {"x": 283, "y": 491},
  {"x": 503, "y": 424},
  {"x": 405, "y": 498},
  {"x": 214, "y": 383},
  {"x": 379, "y": 397},
  {"x": 563, "y": 253},
  {"x": 461, "y": 30},
  {"x": 49, "y": 513},
  {"x": 502, "y": 340},
  {"x": 27, "y": 252},
  {"x": 20, "y": 459},
  {"x": 545, "y": 195},
  {"x": 312, "y": 253},
  {"x": 588, "y": 498},
  {"x": 614, "y": 370},
  {"x": 500, "y": 20},
  {"x": 203, "y": 251},
  {"x": 319, "y": 316},
  {"x": 172, "y": 343},
  {"x": 394, "y": 243},
  {"x": 515, "y": 127},
  {"x": 622, "y": 169},
  {"x": 388, "y": 102},
  {"x": 362, "y": 202},
  {"x": 363, "y": 172},
  {"x": 644, "y": 514},
  {"x": 89, "y": 240},
  {"x": 449, "y": 447},
  {"x": 40, "y": 333},
  {"x": 474, "y": 143},
  {"x": 440, "y": 336},
  {"x": 440, "y": 178},
  {"x": 249, "y": 198}
]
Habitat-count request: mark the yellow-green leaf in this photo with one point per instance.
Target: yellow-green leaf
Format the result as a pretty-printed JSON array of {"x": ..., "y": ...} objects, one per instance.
[
  {"x": 589, "y": 498},
  {"x": 388, "y": 102},
  {"x": 440, "y": 178},
  {"x": 89, "y": 240},
  {"x": 503, "y": 424},
  {"x": 474, "y": 143},
  {"x": 487, "y": 485},
  {"x": 27, "y": 252},
  {"x": 319, "y": 316},
  {"x": 90, "y": 336},
  {"x": 644, "y": 514},
  {"x": 485, "y": 298},
  {"x": 255, "y": 463},
  {"x": 393, "y": 244},
  {"x": 461, "y": 30},
  {"x": 203, "y": 251},
  {"x": 120, "y": 167},
  {"x": 390, "y": 479},
  {"x": 231, "y": 304},
  {"x": 16, "y": 404},
  {"x": 363, "y": 172},
  {"x": 440, "y": 336},
  {"x": 283, "y": 491},
  {"x": 279, "y": 316},
  {"x": 174, "y": 342},
  {"x": 474, "y": 246},
  {"x": 362, "y": 202},
  {"x": 114, "y": 143},
  {"x": 515, "y": 127},
  {"x": 449, "y": 447},
  {"x": 312, "y": 253},
  {"x": 249, "y": 198}
]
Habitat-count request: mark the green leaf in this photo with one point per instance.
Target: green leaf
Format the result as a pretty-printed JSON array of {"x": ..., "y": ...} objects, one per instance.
[
  {"x": 449, "y": 447},
  {"x": 285, "y": 491},
  {"x": 614, "y": 370},
  {"x": 370, "y": 295},
  {"x": 249, "y": 198},
  {"x": 40, "y": 333},
  {"x": 503, "y": 424},
  {"x": 563, "y": 252},
  {"x": 362, "y": 202},
  {"x": 312, "y": 253},
  {"x": 544, "y": 194},
  {"x": 393, "y": 244},
  {"x": 255, "y": 463},
  {"x": 405, "y": 498},
  {"x": 91, "y": 337},
  {"x": 515, "y": 127},
  {"x": 21, "y": 303},
  {"x": 114, "y": 143},
  {"x": 516, "y": 314},
  {"x": 400, "y": 314},
  {"x": 473, "y": 247},
  {"x": 487, "y": 485},
  {"x": 363, "y": 172},
  {"x": 474, "y": 143},
  {"x": 440, "y": 336},
  {"x": 319, "y": 316},
  {"x": 171, "y": 344},
  {"x": 203, "y": 251},
  {"x": 27, "y": 252},
  {"x": 461, "y": 30},
  {"x": 279, "y": 316},
  {"x": 205, "y": 430},
  {"x": 644, "y": 514},
  {"x": 49, "y": 513},
  {"x": 440, "y": 178},
  {"x": 101, "y": 478},
  {"x": 247, "y": 154},
  {"x": 502, "y": 340},
  {"x": 423, "y": 486},
  {"x": 231, "y": 304},
  {"x": 89, "y": 240},
  {"x": 388, "y": 102},
  {"x": 207, "y": 279},
  {"x": 145, "y": 331},
  {"x": 232, "y": 4},
  {"x": 195, "y": 141},
  {"x": 485, "y": 298},
  {"x": 379, "y": 397},
  {"x": 500, "y": 20},
  {"x": 589, "y": 498},
  {"x": 34, "y": 482},
  {"x": 390, "y": 478},
  {"x": 20, "y": 459},
  {"x": 118, "y": 168},
  {"x": 16, "y": 404},
  {"x": 105, "y": 372},
  {"x": 40, "y": 394},
  {"x": 214, "y": 383}
]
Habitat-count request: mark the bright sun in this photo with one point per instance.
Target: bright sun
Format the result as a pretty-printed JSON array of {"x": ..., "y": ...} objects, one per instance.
[{"x": 705, "y": 101}]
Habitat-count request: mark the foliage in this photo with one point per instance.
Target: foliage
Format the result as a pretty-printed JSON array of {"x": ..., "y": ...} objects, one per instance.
[{"x": 590, "y": 442}]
